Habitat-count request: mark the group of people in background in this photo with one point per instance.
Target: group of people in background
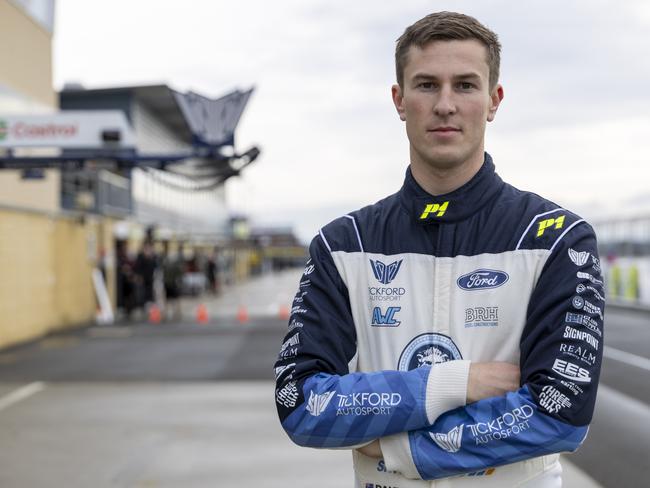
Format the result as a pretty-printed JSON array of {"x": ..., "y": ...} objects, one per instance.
[{"x": 149, "y": 277}]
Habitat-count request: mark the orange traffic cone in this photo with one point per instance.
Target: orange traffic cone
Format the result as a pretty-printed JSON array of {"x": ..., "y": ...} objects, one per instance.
[
  {"x": 242, "y": 315},
  {"x": 283, "y": 313},
  {"x": 154, "y": 314},
  {"x": 202, "y": 314}
]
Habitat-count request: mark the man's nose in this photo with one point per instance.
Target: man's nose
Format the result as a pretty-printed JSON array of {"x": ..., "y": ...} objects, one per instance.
[{"x": 445, "y": 103}]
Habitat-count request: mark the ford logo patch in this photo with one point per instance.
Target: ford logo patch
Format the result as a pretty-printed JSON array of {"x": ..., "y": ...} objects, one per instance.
[{"x": 482, "y": 279}]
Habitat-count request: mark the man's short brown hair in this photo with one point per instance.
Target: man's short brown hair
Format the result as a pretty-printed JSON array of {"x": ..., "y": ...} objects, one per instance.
[{"x": 447, "y": 26}]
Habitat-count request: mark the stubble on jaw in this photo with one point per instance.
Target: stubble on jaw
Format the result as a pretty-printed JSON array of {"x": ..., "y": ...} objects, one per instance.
[{"x": 443, "y": 173}]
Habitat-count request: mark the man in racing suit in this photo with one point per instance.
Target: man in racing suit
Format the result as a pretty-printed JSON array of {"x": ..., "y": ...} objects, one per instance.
[{"x": 412, "y": 313}]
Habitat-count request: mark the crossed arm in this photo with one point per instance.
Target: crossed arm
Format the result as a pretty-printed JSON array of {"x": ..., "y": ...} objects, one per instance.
[{"x": 485, "y": 380}]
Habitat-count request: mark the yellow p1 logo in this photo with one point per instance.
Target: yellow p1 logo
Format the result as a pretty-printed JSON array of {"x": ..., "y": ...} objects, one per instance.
[
  {"x": 441, "y": 208},
  {"x": 545, "y": 224}
]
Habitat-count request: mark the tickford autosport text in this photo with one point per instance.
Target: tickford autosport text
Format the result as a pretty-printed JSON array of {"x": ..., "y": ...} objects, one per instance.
[
  {"x": 367, "y": 403},
  {"x": 507, "y": 425},
  {"x": 385, "y": 294}
]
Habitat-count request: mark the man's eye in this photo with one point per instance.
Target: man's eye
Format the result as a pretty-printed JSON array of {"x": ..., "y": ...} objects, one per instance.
[
  {"x": 464, "y": 85},
  {"x": 425, "y": 85}
]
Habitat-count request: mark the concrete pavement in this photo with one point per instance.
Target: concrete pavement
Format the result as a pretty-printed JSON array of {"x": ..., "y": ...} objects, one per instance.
[
  {"x": 153, "y": 435},
  {"x": 262, "y": 296}
]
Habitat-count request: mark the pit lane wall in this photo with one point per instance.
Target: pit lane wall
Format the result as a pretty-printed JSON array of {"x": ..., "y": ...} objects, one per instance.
[
  {"x": 627, "y": 280},
  {"x": 26, "y": 55},
  {"x": 45, "y": 272}
]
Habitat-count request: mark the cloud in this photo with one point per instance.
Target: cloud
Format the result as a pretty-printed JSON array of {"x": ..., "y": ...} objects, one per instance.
[{"x": 572, "y": 125}]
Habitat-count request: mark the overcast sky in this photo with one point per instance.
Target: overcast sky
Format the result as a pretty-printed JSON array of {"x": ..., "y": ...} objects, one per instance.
[{"x": 574, "y": 125}]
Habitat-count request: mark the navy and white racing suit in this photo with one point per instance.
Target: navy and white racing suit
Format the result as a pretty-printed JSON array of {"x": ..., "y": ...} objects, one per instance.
[{"x": 399, "y": 297}]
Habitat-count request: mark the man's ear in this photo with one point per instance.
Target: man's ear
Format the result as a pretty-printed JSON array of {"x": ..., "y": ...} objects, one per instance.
[
  {"x": 398, "y": 99},
  {"x": 495, "y": 99}
]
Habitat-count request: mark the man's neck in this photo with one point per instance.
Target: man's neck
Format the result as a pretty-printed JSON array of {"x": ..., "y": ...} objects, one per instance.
[{"x": 440, "y": 181}]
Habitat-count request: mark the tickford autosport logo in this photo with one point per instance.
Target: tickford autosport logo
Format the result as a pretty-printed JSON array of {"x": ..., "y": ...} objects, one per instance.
[
  {"x": 510, "y": 424},
  {"x": 428, "y": 349},
  {"x": 317, "y": 404},
  {"x": 363, "y": 403},
  {"x": 367, "y": 403},
  {"x": 450, "y": 441},
  {"x": 385, "y": 273},
  {"x": 578, "y": 258},
  {"x": 384, "y": 294},
  {"x": 482, "y": 279}
]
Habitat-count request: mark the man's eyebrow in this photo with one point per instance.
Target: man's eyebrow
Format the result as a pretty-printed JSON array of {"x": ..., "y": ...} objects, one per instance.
[
  {"x": 423, "y": 76},
  {"x": 468, "y": 76},
  {"x": 462, "y": 76}
]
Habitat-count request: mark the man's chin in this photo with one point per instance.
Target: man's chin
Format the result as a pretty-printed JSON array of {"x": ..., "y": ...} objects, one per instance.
[{"x": 444, "y": 160}]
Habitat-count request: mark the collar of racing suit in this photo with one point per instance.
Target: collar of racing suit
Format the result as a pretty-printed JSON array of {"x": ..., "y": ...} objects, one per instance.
[{"x": 454, "y": 206}]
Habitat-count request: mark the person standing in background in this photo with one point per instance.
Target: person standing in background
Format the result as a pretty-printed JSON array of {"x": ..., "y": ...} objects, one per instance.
[{"x": 145, "y": 267}]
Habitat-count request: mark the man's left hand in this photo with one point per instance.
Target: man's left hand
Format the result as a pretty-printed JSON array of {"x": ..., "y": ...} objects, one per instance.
[{"x": 372, "y": 450}]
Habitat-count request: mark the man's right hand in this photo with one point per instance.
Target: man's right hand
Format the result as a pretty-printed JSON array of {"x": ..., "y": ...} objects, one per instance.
[{"x": 491, "y": 379}]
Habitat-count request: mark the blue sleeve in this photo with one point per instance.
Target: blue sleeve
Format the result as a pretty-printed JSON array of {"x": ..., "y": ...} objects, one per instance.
[
  {"x": 561, "y": 352},
  {"x": 320, "y": 403}
]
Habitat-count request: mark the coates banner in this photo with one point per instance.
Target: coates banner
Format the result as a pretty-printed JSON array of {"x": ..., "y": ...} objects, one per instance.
[{"x": 66, "y": 130}]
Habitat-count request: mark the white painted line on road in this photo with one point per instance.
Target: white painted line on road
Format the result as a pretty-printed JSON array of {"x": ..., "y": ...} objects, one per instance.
[
  {"x": 20, "y": 394},
  {"x": 618, "y": 402},
  {"x": 627, "y": 358}
]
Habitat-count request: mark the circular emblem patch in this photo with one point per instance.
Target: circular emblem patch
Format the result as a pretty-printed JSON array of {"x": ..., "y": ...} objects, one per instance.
[
  {"x": 578, "y": 302},
  {"x": 429, "y": 348}
]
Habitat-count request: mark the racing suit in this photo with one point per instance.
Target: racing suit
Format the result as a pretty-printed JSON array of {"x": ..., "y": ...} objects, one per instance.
[{"x": 399, "y": 297}]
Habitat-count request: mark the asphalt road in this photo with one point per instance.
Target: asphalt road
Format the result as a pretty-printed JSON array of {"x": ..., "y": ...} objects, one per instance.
[
  {"x": 144, "y": 352},
  {"x": 110, "y": 361}
]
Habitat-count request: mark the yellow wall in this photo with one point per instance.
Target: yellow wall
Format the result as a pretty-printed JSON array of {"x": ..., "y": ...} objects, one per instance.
[
  {"x": 34, "y": 194},
  {"x": 25, "y": 55},
  {"x": 45, "y": 273},
  {"x": 26, "y": 69}
]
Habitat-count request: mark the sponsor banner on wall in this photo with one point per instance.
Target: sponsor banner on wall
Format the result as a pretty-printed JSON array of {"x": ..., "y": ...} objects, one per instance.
[{"x": 69, "y": 129}]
